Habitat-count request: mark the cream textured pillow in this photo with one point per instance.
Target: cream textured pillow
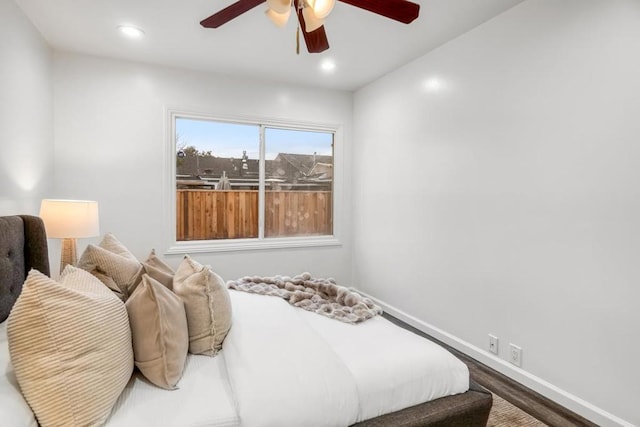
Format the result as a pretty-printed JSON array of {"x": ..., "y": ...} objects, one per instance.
[
  {"x": 70, "y": 346},
  {"x": 159, "y": 270},
  {"x": 112, "y": 244},
  {"x": 208, "y": 306},
  {"x": 160, "y": 335},
  {"x": 113, "y": 260}
]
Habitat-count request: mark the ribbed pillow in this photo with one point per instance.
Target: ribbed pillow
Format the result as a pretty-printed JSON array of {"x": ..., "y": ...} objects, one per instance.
[
  {"x": 70, "y": 346},
  {"x": 110, "y": 259},
  {"x": 112, "y": 244},
  {"x": 208, "y": 306},
  {"x": 160, "y": 336}
]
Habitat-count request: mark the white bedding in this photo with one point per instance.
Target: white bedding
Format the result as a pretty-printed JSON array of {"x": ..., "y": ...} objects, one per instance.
[
  {"x": 280, "y": 366},
  {"x": 283, "y": 375},
  {"x": 393, "y": 368},
  {"x": 281, "y": 371},
  {"x": 203, "y": 398},
  {"x": 14, "y": 410}
]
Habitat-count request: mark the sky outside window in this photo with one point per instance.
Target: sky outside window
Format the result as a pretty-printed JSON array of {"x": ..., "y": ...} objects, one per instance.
[{"x": 231, "y": 139}]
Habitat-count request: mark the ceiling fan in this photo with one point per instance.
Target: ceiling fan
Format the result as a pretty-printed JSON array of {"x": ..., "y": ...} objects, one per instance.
[{"x": 311, "y": 15}]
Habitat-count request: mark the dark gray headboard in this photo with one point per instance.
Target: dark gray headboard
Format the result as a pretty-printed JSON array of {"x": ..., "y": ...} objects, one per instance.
[{"x": 23, "y": 246}]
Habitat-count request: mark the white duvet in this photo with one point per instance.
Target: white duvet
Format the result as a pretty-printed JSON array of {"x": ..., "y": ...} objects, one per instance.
[
  {"x": 392, "y": 367},
  {"x": 281, "y": 370},
  {"x": 280, "y": 366},
  {"x": 290, "y": 367}
]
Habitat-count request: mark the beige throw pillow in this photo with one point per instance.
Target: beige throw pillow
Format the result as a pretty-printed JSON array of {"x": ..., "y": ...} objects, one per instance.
[
  {"x": 159, "y": 270},
  {"x": 113, "y": 264},
  {"x": 160, "y": 335},
  {"x": 70, "y": 345},
  {"x": 112, "y": 244},
  {"x": 208, "y": 306}
]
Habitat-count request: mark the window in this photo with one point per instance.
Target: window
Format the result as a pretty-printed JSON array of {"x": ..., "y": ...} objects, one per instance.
[{"x": 244, "y": 181}]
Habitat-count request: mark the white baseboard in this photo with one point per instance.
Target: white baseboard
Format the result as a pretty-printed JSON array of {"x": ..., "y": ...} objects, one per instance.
[{"x": 569, "y": 401}]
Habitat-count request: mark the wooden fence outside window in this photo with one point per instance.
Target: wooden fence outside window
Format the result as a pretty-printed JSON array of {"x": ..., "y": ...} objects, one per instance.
[{"x": 233, "y": 214}]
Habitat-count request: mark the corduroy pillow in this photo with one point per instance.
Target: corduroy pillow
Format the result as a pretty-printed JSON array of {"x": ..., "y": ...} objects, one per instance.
[
  {"x": 160, "y": 335},
  {"x": 112, "y": 263},
  {"x": 70, "y": 346},
  {"x": 159, "y": 270},
  {"x": 208, "y": 306}
]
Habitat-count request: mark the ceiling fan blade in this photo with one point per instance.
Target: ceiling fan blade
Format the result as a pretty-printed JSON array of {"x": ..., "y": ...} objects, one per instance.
[
  {"x": 228, "y": 13},
  {"x": 399, "y": 10},
  {"x": 315, "y": 40}
]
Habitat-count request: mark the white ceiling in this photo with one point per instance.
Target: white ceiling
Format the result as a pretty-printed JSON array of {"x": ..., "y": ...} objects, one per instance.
[{"x": 363, "y": 45}]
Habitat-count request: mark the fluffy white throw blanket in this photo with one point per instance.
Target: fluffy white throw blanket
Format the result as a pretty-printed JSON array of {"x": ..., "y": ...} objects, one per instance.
[{"x": 322, "y": 296}]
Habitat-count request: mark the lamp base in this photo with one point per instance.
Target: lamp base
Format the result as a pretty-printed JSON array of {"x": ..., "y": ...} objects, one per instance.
[{"x": 68, "y": 255}]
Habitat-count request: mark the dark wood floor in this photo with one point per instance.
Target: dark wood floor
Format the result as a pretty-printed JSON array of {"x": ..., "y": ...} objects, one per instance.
[{"x": 523, "y": 397}]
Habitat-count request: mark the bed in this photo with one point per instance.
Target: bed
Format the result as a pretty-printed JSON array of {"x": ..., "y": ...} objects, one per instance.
[{"x": 280, "y": 366}]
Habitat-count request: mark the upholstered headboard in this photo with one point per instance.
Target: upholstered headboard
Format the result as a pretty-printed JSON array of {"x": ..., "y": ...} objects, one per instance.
[{"x": 23, "y": 246}]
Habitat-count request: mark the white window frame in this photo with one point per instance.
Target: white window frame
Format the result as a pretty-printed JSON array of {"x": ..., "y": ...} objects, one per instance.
[{"x": 224, "y": 245}]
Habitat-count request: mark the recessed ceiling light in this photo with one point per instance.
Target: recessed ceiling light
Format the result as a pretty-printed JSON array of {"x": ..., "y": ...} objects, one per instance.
[
  {"x": 328, "y": 65},
  {"x": 131, "y": 31},
  {"x": 434, "y": 84}
]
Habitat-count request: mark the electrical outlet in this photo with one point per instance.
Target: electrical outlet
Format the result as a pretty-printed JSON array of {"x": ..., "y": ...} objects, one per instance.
[
  {"x": 515, "y": 354},
  {"x": 493, "y": 344}
]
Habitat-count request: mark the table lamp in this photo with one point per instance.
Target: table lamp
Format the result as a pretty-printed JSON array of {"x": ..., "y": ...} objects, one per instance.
[{"x": 69, "y": 220}]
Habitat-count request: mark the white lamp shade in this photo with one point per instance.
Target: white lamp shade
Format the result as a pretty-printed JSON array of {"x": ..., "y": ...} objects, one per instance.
[
  {"x": 280, "y": 19},
  {"x": 311, "y": 21},
  {"x": 70, "y": 218},
  {"x": 322, "y": 8},
  {"x": 279, "y": 6}
]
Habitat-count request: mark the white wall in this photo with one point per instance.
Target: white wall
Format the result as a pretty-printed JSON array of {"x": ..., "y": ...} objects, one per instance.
[
  {"x": 26, "y": 144},
  {"x": 496, "y": 190},
  {"x": 110, "y": 146}
]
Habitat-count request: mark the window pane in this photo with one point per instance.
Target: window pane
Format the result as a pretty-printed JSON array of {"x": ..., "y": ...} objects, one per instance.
[
  {"x": 217, "y": 174},
  {"x": 299, "y": 183}
]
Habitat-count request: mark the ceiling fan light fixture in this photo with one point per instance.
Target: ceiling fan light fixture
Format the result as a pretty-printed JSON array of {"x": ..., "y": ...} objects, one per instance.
[
  {"x": 321, "y": 8},
  {"x": 279, "y": 6},
  {"x": 404, "y": 11},
  {"x": 279, "y": 19},
  {"x": 311, "y": 21}
]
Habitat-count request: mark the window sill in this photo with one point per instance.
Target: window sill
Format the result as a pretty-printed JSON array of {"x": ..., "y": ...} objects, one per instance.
[{"x": 203, "y": 246}]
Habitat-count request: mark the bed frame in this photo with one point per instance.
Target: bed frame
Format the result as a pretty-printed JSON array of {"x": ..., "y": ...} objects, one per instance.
[{"x": 23, "y": 246}]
